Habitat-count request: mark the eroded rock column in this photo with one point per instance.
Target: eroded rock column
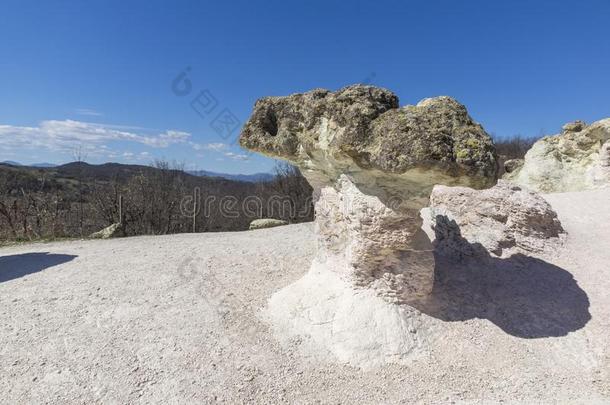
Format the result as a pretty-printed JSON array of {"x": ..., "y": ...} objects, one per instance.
[{"x": 373, "y": 244}]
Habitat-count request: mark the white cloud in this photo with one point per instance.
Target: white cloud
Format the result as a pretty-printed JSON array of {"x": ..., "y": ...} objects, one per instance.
[
  {"x": 236, "y": 156},
  {"x": 89, "y": 112},
  {"x": 216, "y": 147},
  {"x": 94, "y": 140},
  {"x": 175, "y": 136},
  {"x": 66, "y": 135}
]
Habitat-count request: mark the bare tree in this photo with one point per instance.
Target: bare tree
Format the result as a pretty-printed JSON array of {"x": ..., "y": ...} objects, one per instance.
[
  {"x": 6, "y": 206},
  {"x": 79, "y": 157},
  {"x": 77, "y": 200},
  {"x": 514, "y": 147},
  {"x": 290, "y": 185}
]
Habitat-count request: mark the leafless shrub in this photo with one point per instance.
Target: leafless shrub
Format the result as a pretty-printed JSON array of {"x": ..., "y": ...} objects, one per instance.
[
  {"x": 290, "y": 187},
  {"x": 514, "y": 147}
]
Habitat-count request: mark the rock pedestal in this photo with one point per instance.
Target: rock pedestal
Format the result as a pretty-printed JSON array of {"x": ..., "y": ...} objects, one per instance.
[{"x": 373, "y": 244}]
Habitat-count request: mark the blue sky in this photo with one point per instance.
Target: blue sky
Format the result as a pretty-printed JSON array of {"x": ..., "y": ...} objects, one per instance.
[{"x": 97, "y": 75}]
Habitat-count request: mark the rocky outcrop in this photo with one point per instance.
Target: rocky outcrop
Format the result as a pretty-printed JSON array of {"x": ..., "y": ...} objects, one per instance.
[
  {"x": 373, "y": 165},
  {"x": 497, "y": 222},
  {"x": 266, "y": 223},
  {"x": 577, "y": 159}
]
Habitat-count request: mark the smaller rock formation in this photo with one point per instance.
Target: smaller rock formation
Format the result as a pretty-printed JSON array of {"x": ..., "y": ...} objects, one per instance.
[
  {"x": 577, "y": 159},
  {"x": 266, "y": 223},
  {"x": 111, "y": 231},
  {"x": 503, "y": 220},
  {"x": 513, "y": 164}
]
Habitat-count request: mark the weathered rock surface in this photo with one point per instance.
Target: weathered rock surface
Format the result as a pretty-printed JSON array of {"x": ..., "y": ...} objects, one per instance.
[
  {"x": 496, "y": 222},
  {"x": 266, "y": 223},
  {"x": 373, "y": 165},
  {"x": 372, "y": 244},
  {"x": 361, "y": 129},
  {"x": 577, "y": 159}
]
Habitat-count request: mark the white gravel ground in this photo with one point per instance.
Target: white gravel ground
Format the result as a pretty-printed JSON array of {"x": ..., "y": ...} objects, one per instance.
[{"x": 176, "y": 319}]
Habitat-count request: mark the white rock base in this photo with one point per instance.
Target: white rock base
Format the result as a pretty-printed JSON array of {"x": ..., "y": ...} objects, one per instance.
[{"x": 335, "y": 322}]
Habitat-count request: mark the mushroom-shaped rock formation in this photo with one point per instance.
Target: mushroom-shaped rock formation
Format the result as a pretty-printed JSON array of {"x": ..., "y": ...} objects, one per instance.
[
  {"x": 373, "y": 165},
  {"x": 577, "y": 159}
]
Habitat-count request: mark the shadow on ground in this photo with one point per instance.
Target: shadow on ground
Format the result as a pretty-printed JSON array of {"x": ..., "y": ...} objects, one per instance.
[
  {"x": 525, "y": 296},
  {"x": 15, "y": 266}
]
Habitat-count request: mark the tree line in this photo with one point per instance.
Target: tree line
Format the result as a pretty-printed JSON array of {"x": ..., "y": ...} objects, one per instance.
[{"x": 78, "y": 199}]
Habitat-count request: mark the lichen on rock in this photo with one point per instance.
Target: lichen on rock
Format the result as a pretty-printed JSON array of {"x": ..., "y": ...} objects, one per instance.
[{"x": 362, "y": 129}]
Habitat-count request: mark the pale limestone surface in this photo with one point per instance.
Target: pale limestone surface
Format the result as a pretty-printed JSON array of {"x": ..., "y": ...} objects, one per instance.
[
  {"x": 577, "y": 159},
  {"x": 371, "y": 244}
]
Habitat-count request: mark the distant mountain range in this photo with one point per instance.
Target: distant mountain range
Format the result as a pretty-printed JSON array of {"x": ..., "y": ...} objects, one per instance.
[
  {"x": 251, "y": 178},
  {"x": 12, "y": 163}
]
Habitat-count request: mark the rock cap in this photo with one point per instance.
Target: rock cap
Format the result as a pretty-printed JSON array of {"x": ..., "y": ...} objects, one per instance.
[{"x": 362, "y": 127}]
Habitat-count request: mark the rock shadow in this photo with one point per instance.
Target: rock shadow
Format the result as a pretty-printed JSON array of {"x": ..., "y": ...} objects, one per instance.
[
  {"x": 15, "y": 266},
  {"x": 524, "y": 296}
]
